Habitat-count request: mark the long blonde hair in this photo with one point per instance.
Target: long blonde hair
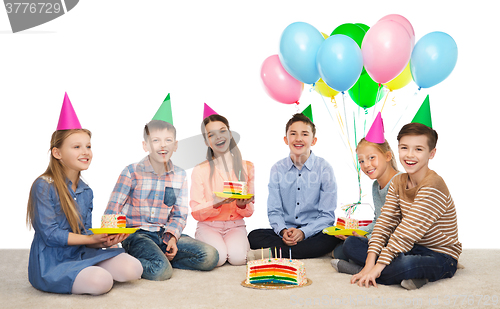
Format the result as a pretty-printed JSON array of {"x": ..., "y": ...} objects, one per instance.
[
  {"x": 383, "y": 148},
  {"x": 55, "y": 171}
]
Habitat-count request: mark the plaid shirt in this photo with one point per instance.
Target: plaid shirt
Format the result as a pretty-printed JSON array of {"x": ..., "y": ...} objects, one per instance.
[{"x": 142, "y": 195}]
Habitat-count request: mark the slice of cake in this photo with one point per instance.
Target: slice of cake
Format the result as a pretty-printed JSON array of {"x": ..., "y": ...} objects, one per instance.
[
  {"x": 351, "y": 223},
  {"x": 235, "y": 187},
  {"x": 113, "y": 221},
  {"x": 276, "y": 272}
]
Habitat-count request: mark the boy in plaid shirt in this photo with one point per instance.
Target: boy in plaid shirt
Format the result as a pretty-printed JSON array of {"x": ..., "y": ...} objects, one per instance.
[{"x": 153, "y": 196}]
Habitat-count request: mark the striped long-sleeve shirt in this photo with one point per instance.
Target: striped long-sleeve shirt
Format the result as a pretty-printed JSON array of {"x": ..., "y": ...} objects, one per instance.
[
  {"x": 151, "y": 201},
  {"x": 423, "y": 215}
]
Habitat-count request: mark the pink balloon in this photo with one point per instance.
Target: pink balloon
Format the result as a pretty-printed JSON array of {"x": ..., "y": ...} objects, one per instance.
[
  {"x": 403, "y": 22},
  {"x": 280, "y": 85},
  {"x": 386, "y": 50}
]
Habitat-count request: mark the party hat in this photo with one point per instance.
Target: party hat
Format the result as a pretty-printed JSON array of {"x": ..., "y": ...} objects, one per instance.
[
  {"x": 423, "y": 115},
  {"x": 207, "y": 111},
  {"x": 308, "y": 112},
  {"x": 68, "y": 119},
  {"x": 164, "y": 113},
  {"x": 376, "y": 132}
]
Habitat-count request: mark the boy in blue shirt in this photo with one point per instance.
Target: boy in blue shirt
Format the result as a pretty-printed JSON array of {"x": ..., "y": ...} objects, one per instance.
[{"x": 302, "y": 198}]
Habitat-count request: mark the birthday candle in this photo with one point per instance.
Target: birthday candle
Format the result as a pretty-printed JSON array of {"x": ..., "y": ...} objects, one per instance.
[
  {"x": 262, "y": 252},
  {"x": 275, "y": 253},
  {"x": 270, "y": 254},
  {"x": 290, "y": 254},
  {"x": 280, "y": 254}
]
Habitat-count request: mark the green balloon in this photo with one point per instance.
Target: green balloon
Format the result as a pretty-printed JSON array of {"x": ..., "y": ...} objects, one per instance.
[
  {"x": 363, "y": 26},
  {"x": 364, "y": 92},
  {"x": 353, "y": 31}
]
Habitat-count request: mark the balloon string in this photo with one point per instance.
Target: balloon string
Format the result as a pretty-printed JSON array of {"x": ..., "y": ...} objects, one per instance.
[
  {"x": 404, "y": 111},
  {"x": 339, "y": 119},
  {"x": 387, "y": 95},
  {"x": 347, "y": 129},
  {"x": 358, "y": 166}
]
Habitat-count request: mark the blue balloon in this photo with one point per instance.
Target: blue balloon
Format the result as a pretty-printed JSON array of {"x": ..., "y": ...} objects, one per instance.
[
  {"x": 339, "y": 62},
  {"x": 433, "y": 59},
  {"x": 299, "y": 45}
]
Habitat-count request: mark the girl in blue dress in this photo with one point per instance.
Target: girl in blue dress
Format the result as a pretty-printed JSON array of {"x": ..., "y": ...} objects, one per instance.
[{"x": 66, "y": 257}]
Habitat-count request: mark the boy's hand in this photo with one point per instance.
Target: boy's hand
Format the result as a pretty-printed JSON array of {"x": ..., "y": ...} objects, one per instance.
[
  {"x": 171, "y": 248},
  {"x": 367, "y": 278},
  {"x": 296, "y": 234},
  {"x": 292, "y": 236},
  {"x": 287, "y": 240},
  {"x": 242, "y": 203}
]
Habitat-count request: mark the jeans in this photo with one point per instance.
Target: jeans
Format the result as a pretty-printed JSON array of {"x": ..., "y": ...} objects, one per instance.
[
  {"x": 149, "y": 249},
  {"x": 418, "y": 263},
  {"x": 312, "y": 247}
]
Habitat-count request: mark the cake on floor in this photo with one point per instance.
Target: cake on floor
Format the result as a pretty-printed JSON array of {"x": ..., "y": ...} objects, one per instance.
[{"x": 276, "y": 272}]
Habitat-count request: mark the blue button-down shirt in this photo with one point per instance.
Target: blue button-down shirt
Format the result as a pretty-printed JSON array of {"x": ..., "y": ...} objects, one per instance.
[{"x": 304, "y": 198}]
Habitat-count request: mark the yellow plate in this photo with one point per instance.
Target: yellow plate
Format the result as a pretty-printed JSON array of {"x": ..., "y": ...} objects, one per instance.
[
  {"x": 229, "y": 195},
  {"x": 333, "y": 230},
  {"x": 126, "y": 230}
]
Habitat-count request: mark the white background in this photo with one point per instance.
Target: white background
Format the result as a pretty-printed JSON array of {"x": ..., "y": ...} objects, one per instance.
[{"x": 119, "y": 59}]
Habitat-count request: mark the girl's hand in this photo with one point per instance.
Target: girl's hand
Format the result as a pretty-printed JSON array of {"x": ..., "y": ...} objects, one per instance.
[
  {"x": 242, "y": 203},
  {"x": 218, "y": 201},
  {"x": 357, "y": 235},
  {"x": 342, "y": 237},
  {"x": 105, "y": 240}
]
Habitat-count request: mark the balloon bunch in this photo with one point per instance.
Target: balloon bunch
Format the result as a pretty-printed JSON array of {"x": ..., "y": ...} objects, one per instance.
[
  {"x": 360, "y": 60},
  {"x": 357, "y": 59}
]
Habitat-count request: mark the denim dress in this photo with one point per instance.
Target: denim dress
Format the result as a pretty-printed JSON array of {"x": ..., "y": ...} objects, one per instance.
[{"x": 53, "y": 265}]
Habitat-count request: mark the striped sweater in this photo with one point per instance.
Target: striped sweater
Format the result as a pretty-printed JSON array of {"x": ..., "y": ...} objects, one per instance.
[{"x": 423, "y": 215}]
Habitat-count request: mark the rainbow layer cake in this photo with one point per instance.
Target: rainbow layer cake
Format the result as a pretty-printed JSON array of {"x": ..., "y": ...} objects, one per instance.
[
  {"x": 113, "y": 221},
  {"x": 276, "y": 272},
  {"x": 351, "y": 223},
  {"x": 235, "y": 187}
]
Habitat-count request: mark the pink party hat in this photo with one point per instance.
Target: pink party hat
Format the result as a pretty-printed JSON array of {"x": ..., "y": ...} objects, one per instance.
[
  {"x": 376, "y": 132},
  {"x": 207, "y": 111},
  {"x": 67, "y": 118}
]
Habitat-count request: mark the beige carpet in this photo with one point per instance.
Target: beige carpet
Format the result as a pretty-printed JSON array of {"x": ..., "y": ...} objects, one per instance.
[{"x": 476, "y": 286}]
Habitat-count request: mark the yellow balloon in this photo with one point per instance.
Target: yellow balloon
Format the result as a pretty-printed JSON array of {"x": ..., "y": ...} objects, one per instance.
[
  {"x": 322, "y": 88},
  {"x": 326, "y": 36},
  {"x": 403, "y": 79}
]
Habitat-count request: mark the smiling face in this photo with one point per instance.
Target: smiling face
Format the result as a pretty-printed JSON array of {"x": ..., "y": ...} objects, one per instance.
[
  {"x": 218, "y": 137},
  {"x": 414, "y": 155},
  {"x": 299, "y": 139},
  {"x": 373, "y": 162},
  {"x": 75, "y": 153},
  {"x": 161, "y": 144}
]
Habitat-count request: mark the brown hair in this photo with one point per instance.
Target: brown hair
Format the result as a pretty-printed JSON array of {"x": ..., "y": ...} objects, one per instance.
[
  {"x": 154, "y": 125},
  {"x": 415, "y": 128},
  {"x": 55, "y": 171},
  {"x": 233, "y": 148},
  {"x": 383, "y": 148},
  {"x": 300, "y": 117}
]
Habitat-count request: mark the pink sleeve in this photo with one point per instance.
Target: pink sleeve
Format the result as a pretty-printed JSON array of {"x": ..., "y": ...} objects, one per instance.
[
  {"x": 201, "y": 202},
  {"x": 248, "y": 211}
]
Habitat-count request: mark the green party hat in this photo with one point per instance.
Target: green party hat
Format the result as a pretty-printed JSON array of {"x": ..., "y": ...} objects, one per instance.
[
  {"x": 423, "y": 115},
  {"x": 308, "y": 112},
  {"x": 164, "y": 113}
]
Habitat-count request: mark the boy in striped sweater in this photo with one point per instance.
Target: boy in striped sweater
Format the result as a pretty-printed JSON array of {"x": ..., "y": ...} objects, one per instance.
[{"x": 415, "y": 239}]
